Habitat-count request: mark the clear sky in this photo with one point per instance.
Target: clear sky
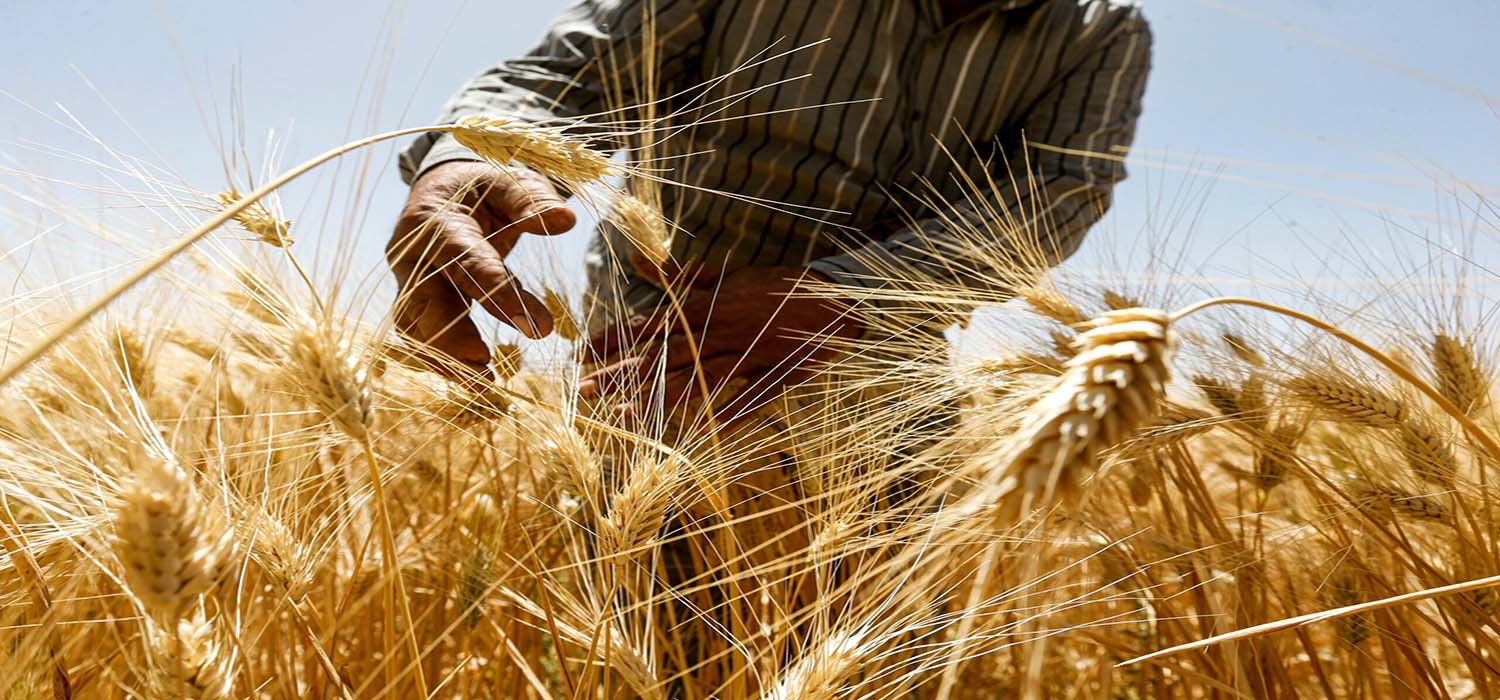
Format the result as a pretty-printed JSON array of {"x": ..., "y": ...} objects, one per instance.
[{"x": 1278, "y": 135}]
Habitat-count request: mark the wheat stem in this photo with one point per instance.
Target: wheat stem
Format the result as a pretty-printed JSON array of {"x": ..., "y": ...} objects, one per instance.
[
  {"x": 13, "y": 542},
  {"x": 393, "y": 569}
]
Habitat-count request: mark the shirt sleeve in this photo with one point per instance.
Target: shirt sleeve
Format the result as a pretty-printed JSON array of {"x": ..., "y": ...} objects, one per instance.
[
  {"x": 567, "y": 77},
  {"x": 1054, "y": 183}
]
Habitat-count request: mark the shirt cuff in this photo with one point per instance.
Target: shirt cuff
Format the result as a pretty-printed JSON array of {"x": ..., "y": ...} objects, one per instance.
[
  {"x": 878, "y": 268},
  {"x": 439, "y": 148}
]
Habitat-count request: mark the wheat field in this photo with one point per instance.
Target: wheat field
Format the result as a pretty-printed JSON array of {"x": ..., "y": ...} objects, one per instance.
[{"x": 267, "y": 495}]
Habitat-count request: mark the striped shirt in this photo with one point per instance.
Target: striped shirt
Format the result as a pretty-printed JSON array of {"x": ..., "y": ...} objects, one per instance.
[{"x": 914, "y": 100}]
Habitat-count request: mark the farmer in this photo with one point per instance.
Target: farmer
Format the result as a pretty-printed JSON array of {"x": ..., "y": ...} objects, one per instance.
[{"x": 847, "y": 106}]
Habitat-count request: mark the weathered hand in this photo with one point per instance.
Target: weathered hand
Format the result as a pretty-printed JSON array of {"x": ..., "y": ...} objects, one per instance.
[
  {"x": 751, "y": 326},
  {"x": 448, "y": 252}
]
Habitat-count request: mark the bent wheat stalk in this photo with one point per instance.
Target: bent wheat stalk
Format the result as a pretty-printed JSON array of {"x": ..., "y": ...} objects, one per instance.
[
  {"x": 1486, "y": 441},
  {"x": 230, "y": 211},
  {"x": 484, "y": 135}
]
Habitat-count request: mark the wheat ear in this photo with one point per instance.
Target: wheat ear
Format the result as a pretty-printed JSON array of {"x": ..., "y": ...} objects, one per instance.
[
  {"x": 547, "y": 150},
  {"x": 1427, "y": 453},
  {"x": 189, "y": 663},
  {"x": 1478, "y": 434},
  {"x": 171, "y": 546},
  {"x": 563, "y": 321},
  {"x": 1112, "y": 387},
  {"x": 1460, "y": 378},
  {"x": 644, "y": 225},
  {"x": 1048, "y": 302},
  {"x": 639, "y": 509},
  {"x": 332, "y": 377},
  {"x": 32, "y": 353},
  {"x": 1368, "y": 495},
  {"x": 259, "y": 220},
  {"x": 823, "y": 672},
  {"x": 337, "y": 384},
  {"x": 1350, "y": 402}
]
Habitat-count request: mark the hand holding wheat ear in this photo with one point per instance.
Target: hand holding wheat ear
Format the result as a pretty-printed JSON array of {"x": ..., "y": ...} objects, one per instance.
[{"x": 448, "y": 251}]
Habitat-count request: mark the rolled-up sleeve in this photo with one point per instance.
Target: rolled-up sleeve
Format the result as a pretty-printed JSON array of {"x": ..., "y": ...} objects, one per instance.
[
  {"x": 1055, "y": 182},
  {"x": 581, "y": 68}
]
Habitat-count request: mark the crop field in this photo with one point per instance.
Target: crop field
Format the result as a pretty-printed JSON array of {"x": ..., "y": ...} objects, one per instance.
[{"x": 1116, "y": 491}]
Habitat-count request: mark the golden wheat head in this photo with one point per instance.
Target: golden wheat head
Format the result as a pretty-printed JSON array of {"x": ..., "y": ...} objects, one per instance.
[
  {"x": 547, "y": 150},
  {"x": 1112, "y": 387},
  {"x": 170, "y": 544}
]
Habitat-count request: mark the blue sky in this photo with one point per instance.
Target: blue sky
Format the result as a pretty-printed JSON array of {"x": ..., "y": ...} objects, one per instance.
[{"x": 1280, "y": 137}]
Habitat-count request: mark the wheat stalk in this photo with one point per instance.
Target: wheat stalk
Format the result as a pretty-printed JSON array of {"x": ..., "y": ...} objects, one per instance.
[{"x": 337, "y": 384}]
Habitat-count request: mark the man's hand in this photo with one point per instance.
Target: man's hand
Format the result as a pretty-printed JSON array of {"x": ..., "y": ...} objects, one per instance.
[
  {"x": 449, "y": 248},
  {"x": 752, "y": 327}
]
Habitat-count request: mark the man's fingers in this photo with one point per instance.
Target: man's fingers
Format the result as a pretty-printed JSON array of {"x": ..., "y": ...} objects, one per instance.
[
  {"x": 478, "y": 272},
  {"x": 620, "y": 376},
  {"x": 682, "y": 386},
  {"x": 530, "y": 202},
  {"x": 433, "y": 313},
  {"x": 618, "y": 338}
]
